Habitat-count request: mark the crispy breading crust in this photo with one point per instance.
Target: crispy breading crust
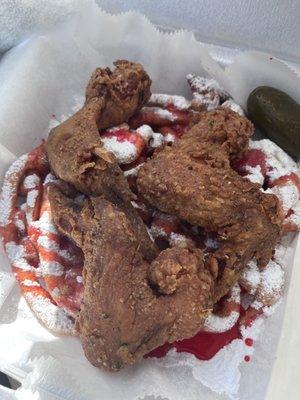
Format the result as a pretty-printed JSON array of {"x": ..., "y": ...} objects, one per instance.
[
  {"x": 130, "y": 306},
  {"x": 193, "y": 180},
  {"x": 134, "y": 299},
  {"x": 75, "y": 151}
]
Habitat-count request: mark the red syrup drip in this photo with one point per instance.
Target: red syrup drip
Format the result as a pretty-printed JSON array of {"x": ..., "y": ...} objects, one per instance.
[
  {"x": 252, "y": 158},
  {"x": 204, "y": 345},
  {"x": 249, "y": 342},
  {"x": 125, "y": 135}
]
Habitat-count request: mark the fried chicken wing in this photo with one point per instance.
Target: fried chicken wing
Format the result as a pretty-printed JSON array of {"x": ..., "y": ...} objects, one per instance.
[
  {"x": 130, "y": 306},
  {"x": 74, "y": 148},
  {"x": 193, "y": 180}
]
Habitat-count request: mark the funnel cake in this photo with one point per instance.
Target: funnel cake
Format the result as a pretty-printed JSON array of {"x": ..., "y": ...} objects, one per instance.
[{"x": 159, "y": 206}]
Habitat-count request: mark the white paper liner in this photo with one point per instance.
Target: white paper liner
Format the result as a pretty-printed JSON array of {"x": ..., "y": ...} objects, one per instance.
[{"x": 43, "y": 80}]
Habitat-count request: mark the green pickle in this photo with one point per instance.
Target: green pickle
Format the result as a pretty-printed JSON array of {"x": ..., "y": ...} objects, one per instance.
[{"x": 277, "y": 115}]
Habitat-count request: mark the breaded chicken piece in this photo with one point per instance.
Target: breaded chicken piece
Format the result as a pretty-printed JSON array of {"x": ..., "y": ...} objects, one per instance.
[
  {"x": 130, "y": 306},
  {"x": 74, "y": 148},
  {"x": 194, "y": 181}
]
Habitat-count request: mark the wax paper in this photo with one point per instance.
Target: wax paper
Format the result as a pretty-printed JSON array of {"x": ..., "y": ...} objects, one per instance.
[{"x": 43, "y": 80}]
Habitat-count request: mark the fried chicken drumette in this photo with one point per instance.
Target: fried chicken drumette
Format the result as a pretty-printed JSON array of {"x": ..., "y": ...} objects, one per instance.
[
  {"x": 74, "y": 148},
  {"x": 193, "y": 180},
  {"x": 130, "y": 306},
  {"x": 75, "y": 151}
]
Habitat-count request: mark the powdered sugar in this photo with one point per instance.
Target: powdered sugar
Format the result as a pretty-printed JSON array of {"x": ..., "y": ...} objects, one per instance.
[
  {"x": 233, "y": 106},
  {"x": 206, "y": 92},
  {"x": 255, "y": 174},
  {"x": 257, "y": 305},
  {"x": 204, "y": 99},
  {"x": 48, "y": 313},
  {"x": 14, "y": 251},
  {"x": 278, "y": 162},
  {"x": 50, "y": 178},
  {"x": 216, "y": 323},
  {"x": 45, "y": 224},
  {"x": 145, "y": 131},
  {"x": 31, "y": 198},
  {"x": 20, "y": 225},
  {"x": 250, "y": 277},
  {"x": 161, "y": 99},
  {"x": 280, "y": 252},
  {"x": 53, "y": 268},
  {"x": 17, "y": 256},
  {"x": 203, "y": 85},
  {"x": 161, "y": 112},
  {"x": 28, "y": 282},
  {"x": 287, "y": 194},
  {"x": 266, "y": 285},
  {"x": 157, "y": 140},
  {"x": 31, "y": 181},
  {"x": 52, "y": 246},
  {"x": 268, "y": 311},
  {"x": 31, "y": 204},
  {"x": 9, "y": 188},
  {"x": 125, "y": 152},
  {"x": 271, "y": 284},
  {"x": 169, "y": 138},
  {"x": 294, "y": 219}
]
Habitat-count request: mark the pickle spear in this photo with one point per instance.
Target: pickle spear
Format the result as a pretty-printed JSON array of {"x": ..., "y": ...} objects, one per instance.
[{"x": 277, "y": 115}]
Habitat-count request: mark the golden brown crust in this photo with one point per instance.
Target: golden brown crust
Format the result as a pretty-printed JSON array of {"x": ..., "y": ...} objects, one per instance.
[
  {"x": 135, "y": 300},
  {"x": 222, "y": 127},
  {"x": 74, "y": 148},
  {"x": 130, "y": 306},
  {"x": 194, "y": 180},
  {"x": 125, "y": 90}
]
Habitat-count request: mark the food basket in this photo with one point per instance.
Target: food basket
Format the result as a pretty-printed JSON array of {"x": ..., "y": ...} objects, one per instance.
[{"x": 43, "y": 79}]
